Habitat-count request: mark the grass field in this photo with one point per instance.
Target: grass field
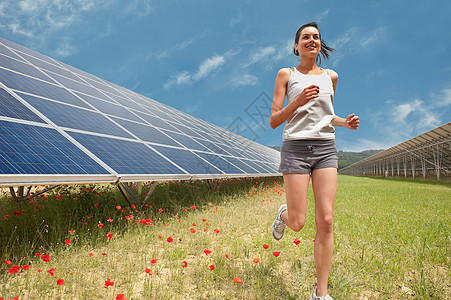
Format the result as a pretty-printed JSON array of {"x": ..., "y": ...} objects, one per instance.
[{"x": 392, "y": 241}]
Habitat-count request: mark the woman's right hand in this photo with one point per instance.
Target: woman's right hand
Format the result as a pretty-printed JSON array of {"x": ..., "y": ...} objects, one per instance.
[{"x": 309, "y": 93}]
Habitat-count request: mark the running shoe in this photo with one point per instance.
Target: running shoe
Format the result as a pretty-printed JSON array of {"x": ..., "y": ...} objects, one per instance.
[
  {"x": 313, "y": 296},
  {"x": 278, "y": 226}
]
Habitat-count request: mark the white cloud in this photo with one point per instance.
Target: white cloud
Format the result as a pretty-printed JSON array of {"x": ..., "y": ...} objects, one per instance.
[
  {"x": 244, "y": 79},
  {"x": 286, "y": 50},
  {"x": 236, "y": 20},
  {"x": 353, "y": 41},
  {"x": 260, "y": 55},
  {"x": 65, "y": 49},
  {"x": 207, "y": 67}
]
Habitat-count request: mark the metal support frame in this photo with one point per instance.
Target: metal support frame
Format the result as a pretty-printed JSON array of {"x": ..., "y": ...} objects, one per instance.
[
  {"x": 132, "y": 192},
  {"x": 19, "y": 195}
]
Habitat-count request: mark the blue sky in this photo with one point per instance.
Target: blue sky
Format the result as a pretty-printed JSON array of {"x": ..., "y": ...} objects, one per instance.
[{"x": 217, "y": 60}]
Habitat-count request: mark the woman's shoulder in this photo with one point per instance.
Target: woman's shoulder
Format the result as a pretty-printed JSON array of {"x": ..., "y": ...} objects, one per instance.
[
  {"x": 284, "y": 74},
  {"x": 333, "y": 75}
]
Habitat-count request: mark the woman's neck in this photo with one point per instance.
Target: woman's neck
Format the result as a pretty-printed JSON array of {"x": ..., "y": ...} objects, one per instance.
[{"x": 307, "y": 65}]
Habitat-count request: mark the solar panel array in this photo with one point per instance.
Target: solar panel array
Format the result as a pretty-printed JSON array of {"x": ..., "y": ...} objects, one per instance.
[{"x": 59, "y": 124}]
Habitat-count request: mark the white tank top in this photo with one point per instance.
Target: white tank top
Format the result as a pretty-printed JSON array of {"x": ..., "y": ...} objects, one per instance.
[{"x": 314, "y": 119}]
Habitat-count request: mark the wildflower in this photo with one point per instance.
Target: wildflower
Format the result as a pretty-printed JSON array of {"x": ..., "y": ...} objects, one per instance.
[
  {"x": 108, "y": 283},
  {"x": 265, "y": 246},
  {"x": 51, "y": 271},
  {"x": 60, "y": 282},
  {"x": 296, "y": 241},
  {"x": 120, "y": 297},
  {"x": 193, "y": 207},
  {"x": 109, "y": 236},
  {"x": 237, "y": 280},
  {"x": 67, "y": 242},
  {"x": 110, "y": 220},
  {"x": 212, "y": 267},
  {"x": 118, "y": 207},
  {"x": 170, "y": 239},
  {"x": 148, "y": 271},
  {"x": 192, "y": 230},
  {"x": 8, "y": 262},
  {"x": 91, "y": 254},
  {"x": 227, "y": 256},
  {"x": 276, "y": 253},
  {"x": 153, "y": 260},
  {"x": 26, "y": 267},
  {"x": 184, "y": 264},
  {"x": 207, "y": 252},
  {"x": 194, "y": 224},
  {"x": 14, "y": 270},
  {"x": 256, "y": 260},
  {"x": 45, "y": 257},
  {"x": 100, "y": 225},
  {"x": 216, "y": 231}
]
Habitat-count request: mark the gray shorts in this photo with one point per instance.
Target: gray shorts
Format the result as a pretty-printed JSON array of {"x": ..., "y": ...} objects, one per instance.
[{"x": 304, "y": 156}]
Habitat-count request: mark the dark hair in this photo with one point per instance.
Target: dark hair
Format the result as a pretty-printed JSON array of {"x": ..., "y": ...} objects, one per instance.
[{"x": 324, "y": 48}]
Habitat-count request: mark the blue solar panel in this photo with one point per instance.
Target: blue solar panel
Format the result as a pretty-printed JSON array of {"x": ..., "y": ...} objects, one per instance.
[
  {"x": 82, "y": 119},
  {"x": 13, "y": 108},
  {"x": 26, "y": 149},
  {"x": 126, "y": 157},
  {"x": 56, "y": 119}
]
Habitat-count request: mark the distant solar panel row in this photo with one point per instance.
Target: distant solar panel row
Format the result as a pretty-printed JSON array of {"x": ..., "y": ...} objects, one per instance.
[{"x": 62, "y": 125}]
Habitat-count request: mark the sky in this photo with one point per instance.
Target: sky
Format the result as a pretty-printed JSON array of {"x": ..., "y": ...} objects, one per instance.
[{"x": 218, "y": 60}]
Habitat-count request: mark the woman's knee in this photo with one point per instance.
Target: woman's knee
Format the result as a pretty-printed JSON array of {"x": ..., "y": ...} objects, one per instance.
[
  {"x": 325, "y": 223},
  {"x": 297, "y": 224}
]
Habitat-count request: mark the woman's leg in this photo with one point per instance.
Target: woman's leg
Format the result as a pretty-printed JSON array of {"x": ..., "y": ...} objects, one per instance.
[
  {"x": 324, "y": 183},
  {"x": 296, "y": 188}
]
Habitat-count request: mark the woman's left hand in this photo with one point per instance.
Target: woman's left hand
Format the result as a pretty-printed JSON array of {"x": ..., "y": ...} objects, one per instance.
[{"x": 352, "y": 122}]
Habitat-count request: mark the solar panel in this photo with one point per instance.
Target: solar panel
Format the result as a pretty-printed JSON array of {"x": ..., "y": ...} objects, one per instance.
[{"x": 59, "y": 124}]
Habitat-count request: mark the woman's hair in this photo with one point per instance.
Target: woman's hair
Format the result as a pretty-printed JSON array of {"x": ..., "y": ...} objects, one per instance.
[{"x": 324, "y": 48}]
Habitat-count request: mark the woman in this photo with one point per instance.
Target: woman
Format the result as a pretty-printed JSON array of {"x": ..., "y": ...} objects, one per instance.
[{"x": 308, "y": 148}]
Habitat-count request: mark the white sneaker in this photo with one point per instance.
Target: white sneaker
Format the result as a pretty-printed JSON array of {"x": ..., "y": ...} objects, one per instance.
[
  {"x": 313, "y": 296},
  {"x": 278, "y": 226}
]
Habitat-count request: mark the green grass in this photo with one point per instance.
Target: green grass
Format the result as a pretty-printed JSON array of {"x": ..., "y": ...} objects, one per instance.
[{"x": 392, "y": 241}]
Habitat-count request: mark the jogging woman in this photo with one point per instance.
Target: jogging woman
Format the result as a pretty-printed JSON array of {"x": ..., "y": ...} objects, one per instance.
[{"x": 308, "y": 148}]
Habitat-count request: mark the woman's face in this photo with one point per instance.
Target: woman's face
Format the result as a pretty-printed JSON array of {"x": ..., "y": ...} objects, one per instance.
[{"x": 309, "y": 43}]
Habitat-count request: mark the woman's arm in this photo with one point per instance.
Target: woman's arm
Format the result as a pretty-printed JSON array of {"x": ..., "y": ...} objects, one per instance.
[
  {"x": 352, "y": 121},
  {"x": 280, "y": 114}
]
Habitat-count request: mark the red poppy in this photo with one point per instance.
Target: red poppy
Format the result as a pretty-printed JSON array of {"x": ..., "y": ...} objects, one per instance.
[
  {"x": 237, "y": 280},
  {"x": 60, "y": 282},
  {"x": 148, "y": 271},
  {"x": 265, "y": 246},
  {"x": 118, "y": 207},
  {"x": 120, "y": 297},
  {"x": 203, "y": 220},
  {"x": 26, "y": 267},
  {"x": 170, "y": 239},
  {"x": 160, "y": 237},
  {"x": 276, "y": 253},
  {"x": 67, "y": 242},
  {"x": 184, "y": 264},
  {"x": 104, "y": 254},
  {"x": 153, "y": 260},
  {"x": 216, "y": 230},
  {"x": 256, "y": 260},
  {"x": 227, "y": 256},
  {"x": 110, "y": 220},
  {"x": 108, "y": 283},
  {"x": 14, "y": 270},
  {"x": 193, "y": 207},
  {"x": 45, "y": 257},
  {"x": 194, "y": 224},
  {"x": 8, "y": 262},
  {"x": 91, "y": 254},
  {"x": 96, "y": 204},
  {"x": 207, "y": 252},
  {"x": 160, "y": 210},
  {"x": 109, "y": 235},
  {"x": 51, "y": 272},
  {"x": 192, "y": 230},
  {"x": 313, "y": 240},
  {"x": 212, "y": 267},
  {"x": 296, "y": 241}
]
